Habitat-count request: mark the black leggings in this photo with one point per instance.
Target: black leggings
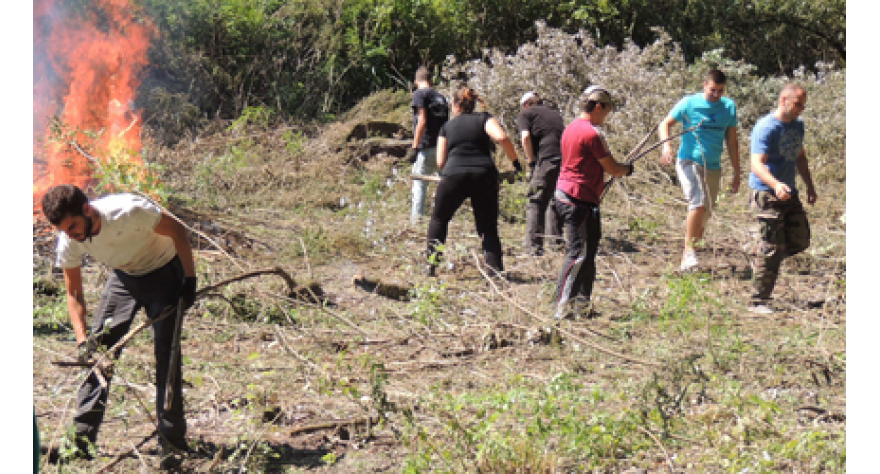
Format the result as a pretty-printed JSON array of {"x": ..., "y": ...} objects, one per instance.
[{"x": 482, "y": 188}]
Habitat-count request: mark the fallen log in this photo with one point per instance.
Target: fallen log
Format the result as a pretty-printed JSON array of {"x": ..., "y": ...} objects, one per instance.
[{"x": 388, "y": 290}]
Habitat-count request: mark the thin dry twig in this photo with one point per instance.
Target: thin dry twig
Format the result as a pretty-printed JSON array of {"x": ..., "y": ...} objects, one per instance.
[
  {"x": 669, "y": 463},
  {"x": 554, "y": 324}
]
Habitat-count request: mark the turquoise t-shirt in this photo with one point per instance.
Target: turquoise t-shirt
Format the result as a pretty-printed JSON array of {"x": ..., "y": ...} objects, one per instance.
[
  {"x": 782, "y": 143},
  {"x": 719, "y": 117}
]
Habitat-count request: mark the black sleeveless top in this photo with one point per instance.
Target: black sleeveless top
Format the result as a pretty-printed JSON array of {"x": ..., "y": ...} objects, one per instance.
[{"x": 470, "y": 147}]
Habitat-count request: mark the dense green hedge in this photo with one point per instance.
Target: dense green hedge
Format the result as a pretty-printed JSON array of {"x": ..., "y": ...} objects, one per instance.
[{"x": 312, "y": 58}]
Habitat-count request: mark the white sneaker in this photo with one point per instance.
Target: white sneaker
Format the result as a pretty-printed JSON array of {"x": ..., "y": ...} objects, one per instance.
[
  {"x": 760, "y": 309},
  {"x": 690, "y": 262}
]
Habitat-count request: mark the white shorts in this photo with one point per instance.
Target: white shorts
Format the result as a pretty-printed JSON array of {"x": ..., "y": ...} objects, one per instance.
[{"x": 697, "y": 182}]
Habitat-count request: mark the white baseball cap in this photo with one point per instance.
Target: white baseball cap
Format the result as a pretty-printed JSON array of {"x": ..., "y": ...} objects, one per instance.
[
  {"x": 598, "y": 94},
  {"x": 528, "y": 95}
]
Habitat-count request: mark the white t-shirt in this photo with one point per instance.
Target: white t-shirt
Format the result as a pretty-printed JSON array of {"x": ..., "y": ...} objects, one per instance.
[{"x": 127, "y": 240}]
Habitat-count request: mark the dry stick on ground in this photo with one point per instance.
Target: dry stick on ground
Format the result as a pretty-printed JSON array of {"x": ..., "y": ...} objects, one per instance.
[
  {"x": 322, "y": 308},
  {"x": 554, "y": 324},
  {"x": 334, "y": 424},
  {"x": 112, "y": 464},
  {"x": 669, "y": 463}
]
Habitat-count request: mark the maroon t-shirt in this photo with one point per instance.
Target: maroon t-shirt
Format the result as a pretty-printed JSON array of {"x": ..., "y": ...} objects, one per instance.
[{"x": 581, "y": 176}]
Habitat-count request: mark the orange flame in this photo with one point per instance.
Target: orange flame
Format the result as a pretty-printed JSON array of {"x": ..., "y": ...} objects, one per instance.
[{"x": 86, "y": 67}]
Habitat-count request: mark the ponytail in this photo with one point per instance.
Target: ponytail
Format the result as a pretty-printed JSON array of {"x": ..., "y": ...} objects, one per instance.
[{"x": 466, "y": 100}]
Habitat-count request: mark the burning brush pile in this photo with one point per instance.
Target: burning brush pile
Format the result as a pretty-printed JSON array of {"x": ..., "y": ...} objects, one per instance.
[{"x": 87, "y": 62}]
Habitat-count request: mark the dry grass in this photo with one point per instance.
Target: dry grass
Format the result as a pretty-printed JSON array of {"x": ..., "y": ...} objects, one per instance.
[{"x": 468, "y": 375}]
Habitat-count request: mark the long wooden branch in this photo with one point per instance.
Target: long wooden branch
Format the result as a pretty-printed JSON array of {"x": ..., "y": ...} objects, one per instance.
[
  {"x": 638, "y": 154},
  {"x": 107, "y": 359},
  {"x": 367, "y": 420}
]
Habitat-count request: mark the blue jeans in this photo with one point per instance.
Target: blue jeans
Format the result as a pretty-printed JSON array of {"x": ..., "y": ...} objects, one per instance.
[
  {"x": 583, "y": 229},
  {"x": 426, "y": 163}
]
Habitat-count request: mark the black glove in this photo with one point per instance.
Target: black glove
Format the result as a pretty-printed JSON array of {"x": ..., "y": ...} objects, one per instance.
[
  {"x": 632, "y": 167},
  {"x": 411, "y": 154},
  {"x": 85, "y": 350},
  {"x": 188, "y": 293},
  {"x": 518, "y": 167}
]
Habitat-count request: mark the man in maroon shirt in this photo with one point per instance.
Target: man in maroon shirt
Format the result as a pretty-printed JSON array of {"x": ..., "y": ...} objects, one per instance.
[{"x": 585, "y": 160}]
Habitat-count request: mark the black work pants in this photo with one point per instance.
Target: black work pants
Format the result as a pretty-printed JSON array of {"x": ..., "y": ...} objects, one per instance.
[
  {"x": 583, "y": 229},
  {"x": 482, "y": 189},
  {"x": 123, "y": 296},
  {"x": 542, "y": 219}
]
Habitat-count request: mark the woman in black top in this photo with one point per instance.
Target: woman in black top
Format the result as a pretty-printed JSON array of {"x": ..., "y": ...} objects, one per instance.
[{"x": 464, "y": 156}]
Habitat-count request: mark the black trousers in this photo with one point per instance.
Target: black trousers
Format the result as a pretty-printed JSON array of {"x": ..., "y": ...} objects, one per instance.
[
  {"x": 123, "y": 296},
  {"x": 583, "y": 230},
  {"x": 542, "y": 219},
  {"x": 482, "y": 189}
]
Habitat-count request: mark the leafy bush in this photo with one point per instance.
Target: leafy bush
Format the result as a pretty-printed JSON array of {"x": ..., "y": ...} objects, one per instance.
[{"x": 645, "y": 83}]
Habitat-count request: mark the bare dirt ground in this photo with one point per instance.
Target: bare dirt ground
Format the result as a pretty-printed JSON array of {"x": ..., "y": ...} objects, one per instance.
[{"x": 460, "y": 373}]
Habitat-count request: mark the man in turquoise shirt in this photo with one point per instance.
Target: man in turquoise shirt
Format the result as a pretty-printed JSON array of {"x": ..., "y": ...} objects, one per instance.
[{"x": 698, "y": 163}]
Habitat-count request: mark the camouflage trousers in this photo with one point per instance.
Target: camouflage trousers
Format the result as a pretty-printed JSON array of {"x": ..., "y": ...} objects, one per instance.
[{"x": 782, "y": 231}]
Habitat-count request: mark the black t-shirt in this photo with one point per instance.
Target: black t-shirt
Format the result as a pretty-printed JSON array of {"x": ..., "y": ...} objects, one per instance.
[
  {"x": 428, "y": 99},
  {"x": 469, "y": 147},
  {"x": 545, "y": 127}
]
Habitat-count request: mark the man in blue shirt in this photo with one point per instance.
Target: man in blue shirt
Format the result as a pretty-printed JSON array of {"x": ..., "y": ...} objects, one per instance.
[
  {"x": 777, "y": 156},
  {"x": 699, "y": 157}
]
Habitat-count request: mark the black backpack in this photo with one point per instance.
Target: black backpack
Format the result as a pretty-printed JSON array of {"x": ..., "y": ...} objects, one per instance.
[{"x": 438, "y": 107}]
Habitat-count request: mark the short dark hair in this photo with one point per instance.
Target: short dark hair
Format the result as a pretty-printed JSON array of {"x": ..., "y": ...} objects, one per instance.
[
  {"x": 716, "y": 76},
  {"x": 62, "y": 201},
  {"x": 422, "y": 74},
  {"x": 588, "y": 106}
]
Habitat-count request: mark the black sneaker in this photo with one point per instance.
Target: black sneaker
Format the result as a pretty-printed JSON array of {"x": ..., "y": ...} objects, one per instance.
[
  {"x": 70, "y": 448},
  {"x": 171, "y": 452}
]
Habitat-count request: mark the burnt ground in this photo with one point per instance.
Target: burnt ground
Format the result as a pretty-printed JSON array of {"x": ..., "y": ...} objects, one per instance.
[{"x": 460, "y": 373}]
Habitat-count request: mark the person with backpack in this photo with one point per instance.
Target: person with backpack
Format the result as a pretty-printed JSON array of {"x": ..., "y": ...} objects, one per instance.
[
  {"x": 540, "y": 129},
  {"x": 464, "y": 154},
  {"x": 430, "y": 112}
]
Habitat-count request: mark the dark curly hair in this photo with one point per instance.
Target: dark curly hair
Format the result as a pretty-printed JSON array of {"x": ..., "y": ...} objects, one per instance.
[{"x": 62, "y": 201}]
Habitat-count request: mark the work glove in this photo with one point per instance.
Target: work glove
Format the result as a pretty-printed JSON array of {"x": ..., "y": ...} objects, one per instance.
[
  {"x": 86, "y": 349},
  {"x": 632, "y": 167},
  {"x": 411, "y": 154},
  {"x": 518, "y": 167},
  {"x": 188, "y": 293}
]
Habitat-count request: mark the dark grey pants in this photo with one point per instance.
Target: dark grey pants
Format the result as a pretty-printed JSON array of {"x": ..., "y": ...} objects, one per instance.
[
  {"x": 542, "y": 218},
  {"x": 123, "y": 296},
  {"x": 583, "y": 229}
]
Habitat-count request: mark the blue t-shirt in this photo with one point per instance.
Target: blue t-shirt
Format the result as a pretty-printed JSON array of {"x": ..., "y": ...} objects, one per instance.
[
  {"x": 782, "y": 143},
  {"x": 719, "y": 117}
]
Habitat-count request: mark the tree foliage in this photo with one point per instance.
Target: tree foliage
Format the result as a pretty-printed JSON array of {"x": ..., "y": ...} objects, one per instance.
[{"x": 312, "y": 58}]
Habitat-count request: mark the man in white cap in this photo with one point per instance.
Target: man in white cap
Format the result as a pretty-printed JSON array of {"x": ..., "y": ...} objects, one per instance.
[
  {"x": 540, "y": 129},
  {"x": 586, "y": 158}
]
